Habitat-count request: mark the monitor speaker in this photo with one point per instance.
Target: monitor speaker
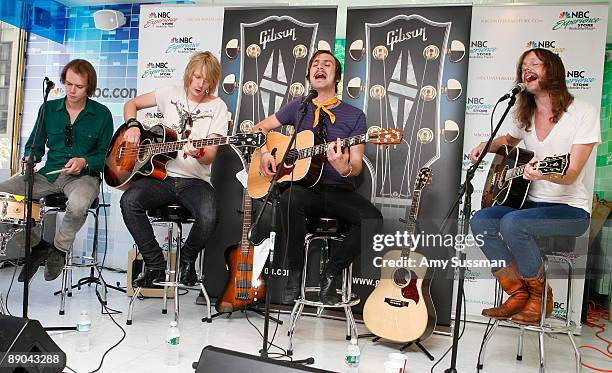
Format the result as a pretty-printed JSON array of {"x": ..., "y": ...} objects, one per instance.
[
  {"x": 215, "y": 359},
  {"x": 108, "y": 19},
  {"x": 21, "y": 338}
]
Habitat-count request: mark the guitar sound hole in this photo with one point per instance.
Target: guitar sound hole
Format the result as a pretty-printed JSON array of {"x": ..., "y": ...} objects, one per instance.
[{"x": 401, "y": 277}]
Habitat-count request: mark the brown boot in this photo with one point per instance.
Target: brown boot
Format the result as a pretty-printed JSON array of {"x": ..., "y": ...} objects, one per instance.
[
  {"x": 531, "y": 313},
  {"x": 513, "y": 284}
]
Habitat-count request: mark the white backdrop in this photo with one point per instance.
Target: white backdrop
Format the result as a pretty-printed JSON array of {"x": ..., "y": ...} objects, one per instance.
[
  {"x": 499, "y": 35},
  {"x": 168, "y": 35}
]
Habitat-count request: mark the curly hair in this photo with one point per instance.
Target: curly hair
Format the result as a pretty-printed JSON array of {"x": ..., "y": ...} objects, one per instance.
[{"x": 553, "y": 82}]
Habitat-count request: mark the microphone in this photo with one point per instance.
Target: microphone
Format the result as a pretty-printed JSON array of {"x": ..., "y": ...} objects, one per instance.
[
  {"x": 518, "y": 88},
  {"x": 311, "y": 95},
  {"x": 49, "y": 85}
]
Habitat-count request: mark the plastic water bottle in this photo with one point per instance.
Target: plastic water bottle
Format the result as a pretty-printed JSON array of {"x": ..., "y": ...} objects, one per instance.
[
  {"x": 83, "y": 343},
  {"x": 173, "y": 338},
  {"x": 352, "y": 356}
]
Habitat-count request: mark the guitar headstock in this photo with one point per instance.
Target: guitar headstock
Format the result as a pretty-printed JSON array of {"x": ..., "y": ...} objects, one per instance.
[
  {"x": 557, "y": 164},
  {"x": 423, "y": 179},
  {"x": 379, "y": 136},
  {"x": 256, "y": 139}
]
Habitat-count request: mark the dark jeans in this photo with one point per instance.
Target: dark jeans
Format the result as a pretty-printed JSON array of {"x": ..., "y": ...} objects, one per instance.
[
  {"x": 147, "y": 194},
  {"x": 328, "y": 201},
  {"x": 509, "y": 234}
]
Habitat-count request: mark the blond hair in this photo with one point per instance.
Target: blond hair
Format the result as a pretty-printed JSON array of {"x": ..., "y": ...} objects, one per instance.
[{"x": 210, "y": 64}]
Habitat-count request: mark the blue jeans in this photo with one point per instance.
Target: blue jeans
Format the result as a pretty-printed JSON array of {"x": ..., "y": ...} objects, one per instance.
[
  {"x": 147, "y": 193},
  {"x": 509, "y": 234}
]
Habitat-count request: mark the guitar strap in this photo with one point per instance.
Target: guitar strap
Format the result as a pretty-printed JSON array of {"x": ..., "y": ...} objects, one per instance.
[{"x": 322, "y": 125}]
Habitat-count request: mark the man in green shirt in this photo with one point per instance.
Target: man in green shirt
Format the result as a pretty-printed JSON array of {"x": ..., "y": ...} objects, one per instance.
[{"x": 77, "y": 131}]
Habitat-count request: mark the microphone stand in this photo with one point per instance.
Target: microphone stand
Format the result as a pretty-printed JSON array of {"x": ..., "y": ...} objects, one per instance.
[
  {"x": 274, "y": 195},
  {"x": 465, "y": 191},
  {"x": 29, "y": 179}
]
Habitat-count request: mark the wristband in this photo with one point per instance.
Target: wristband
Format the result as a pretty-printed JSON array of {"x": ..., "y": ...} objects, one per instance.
[
  {"x": 348, "y": 173},
  {"x": 133, "y": 122}
]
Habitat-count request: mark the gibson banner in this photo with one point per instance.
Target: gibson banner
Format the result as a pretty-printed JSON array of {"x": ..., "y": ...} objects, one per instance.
[
  {"x": 406, "y": 67},
  {"x": 265, "y": 58}
]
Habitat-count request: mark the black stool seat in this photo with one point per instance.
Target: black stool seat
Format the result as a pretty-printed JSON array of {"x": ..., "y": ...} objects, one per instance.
[
  {"x": 556, "y": 244},
  {"x": 59, "y": 200},
  {"x": 173, "y": 212},
  {"x": 325, "y": 225}
]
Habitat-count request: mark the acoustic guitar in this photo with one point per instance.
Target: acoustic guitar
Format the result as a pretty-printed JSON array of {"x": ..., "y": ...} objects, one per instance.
[
  {"x": 400, "y": 309},
  {"x": 158, "y": 144},
  {"x": 505, "y": 184},
  {"x": 304, "y": 164}
]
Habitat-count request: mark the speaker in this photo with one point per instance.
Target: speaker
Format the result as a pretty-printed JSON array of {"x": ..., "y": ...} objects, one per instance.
[
  {"x": 26, "y": 341},
  {"x": 215, "y": 359},
  {"x": 108, "y": 19}
]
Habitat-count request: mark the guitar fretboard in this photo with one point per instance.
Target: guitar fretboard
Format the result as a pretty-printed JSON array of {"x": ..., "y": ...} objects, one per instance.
[
  {"x": 322, "y": 148},
  {"x": 412, "y": 218},
  {"x": 170, "y": 147}
]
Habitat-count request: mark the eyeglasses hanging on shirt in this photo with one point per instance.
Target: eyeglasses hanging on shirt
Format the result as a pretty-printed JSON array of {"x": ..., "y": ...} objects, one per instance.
[{"x": 68, "y": 135}]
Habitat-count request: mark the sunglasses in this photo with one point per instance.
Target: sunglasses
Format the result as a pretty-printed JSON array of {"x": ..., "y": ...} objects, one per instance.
[{"x": 68, "y": 135}]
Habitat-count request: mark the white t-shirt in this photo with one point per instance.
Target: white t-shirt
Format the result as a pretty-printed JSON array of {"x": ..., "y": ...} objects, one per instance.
[
  {"x": 579, "y": 125},
  {"x": 208, "y": 118}
]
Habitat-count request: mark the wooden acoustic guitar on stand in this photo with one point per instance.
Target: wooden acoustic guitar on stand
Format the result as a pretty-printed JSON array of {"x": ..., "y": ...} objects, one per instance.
[{"x": 400, "y": 309}]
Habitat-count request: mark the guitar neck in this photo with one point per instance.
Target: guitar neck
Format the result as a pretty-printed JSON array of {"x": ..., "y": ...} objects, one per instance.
[
  {"x": 247, "y": 208},
  {"x": 412, "y": 219},
  {"x": 322, "y": 148},
  {"x": 170, "y": 147}
]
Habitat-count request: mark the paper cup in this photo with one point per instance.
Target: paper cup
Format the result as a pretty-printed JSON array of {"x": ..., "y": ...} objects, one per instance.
[
  {"x": 400, "y": 358},
  {"x": 393, "y": 366}
]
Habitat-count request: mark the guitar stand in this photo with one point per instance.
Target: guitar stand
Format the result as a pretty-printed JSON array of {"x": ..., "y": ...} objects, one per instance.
[
  {"x": 250, "y": 308},
  {"x": 420, "y": 346},
  {"x": 376, "y": 338}
]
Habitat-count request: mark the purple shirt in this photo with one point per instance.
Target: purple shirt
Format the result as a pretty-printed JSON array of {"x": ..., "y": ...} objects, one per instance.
[{"x": 350, "y": 121}]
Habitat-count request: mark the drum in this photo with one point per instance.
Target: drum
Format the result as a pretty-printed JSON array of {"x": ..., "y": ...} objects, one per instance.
[{"x": 13, "y": 209}]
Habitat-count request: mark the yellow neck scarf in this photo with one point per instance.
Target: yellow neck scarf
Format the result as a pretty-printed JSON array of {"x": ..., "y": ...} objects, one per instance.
[{"x": 324, "y": 106}]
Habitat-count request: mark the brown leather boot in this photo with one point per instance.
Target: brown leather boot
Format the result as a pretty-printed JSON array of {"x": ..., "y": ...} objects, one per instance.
[
  {"x": 513, "y": 284},
  {"x": 531, "y": 313}
]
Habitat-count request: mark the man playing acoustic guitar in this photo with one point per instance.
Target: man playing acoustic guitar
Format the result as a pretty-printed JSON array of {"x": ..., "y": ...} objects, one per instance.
[
  {"x": 334, "y": 195},
  {"x": 549, "y": 121},
  {"x": 194, "y": 113}
]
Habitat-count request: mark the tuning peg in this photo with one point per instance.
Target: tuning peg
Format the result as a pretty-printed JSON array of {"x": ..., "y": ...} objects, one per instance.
[
  {"x": 229, "y": 84},
  {"x": 456, "y": 52},
  {"x": 232, "y": 48},
  {"x": 453, "y": 89}
]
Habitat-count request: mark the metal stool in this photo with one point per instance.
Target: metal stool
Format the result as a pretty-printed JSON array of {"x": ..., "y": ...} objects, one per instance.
[
  {"x": 173, "y": 213},
  {"x": 324, "y": 229},
  {"x": 554, "y": 249},
  {"x": 56, "y": 203}
]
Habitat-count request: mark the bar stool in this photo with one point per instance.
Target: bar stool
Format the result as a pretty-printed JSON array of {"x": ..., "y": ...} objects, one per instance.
[
  {"x": 56, "y": 203},
  {"x": 172, "y": 214},
  {"x": 324, "y": 229},
  {"x": 555, "y": 249}
]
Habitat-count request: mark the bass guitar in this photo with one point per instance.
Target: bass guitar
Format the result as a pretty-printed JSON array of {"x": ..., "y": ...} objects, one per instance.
[
  {"x": 158, "y": 145},
  {"x": 305, "y": 161},
  {"x": 400, "y": 309},
  {"x": 505, "y": 184},
  {"x": 240, "y": 291}
]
